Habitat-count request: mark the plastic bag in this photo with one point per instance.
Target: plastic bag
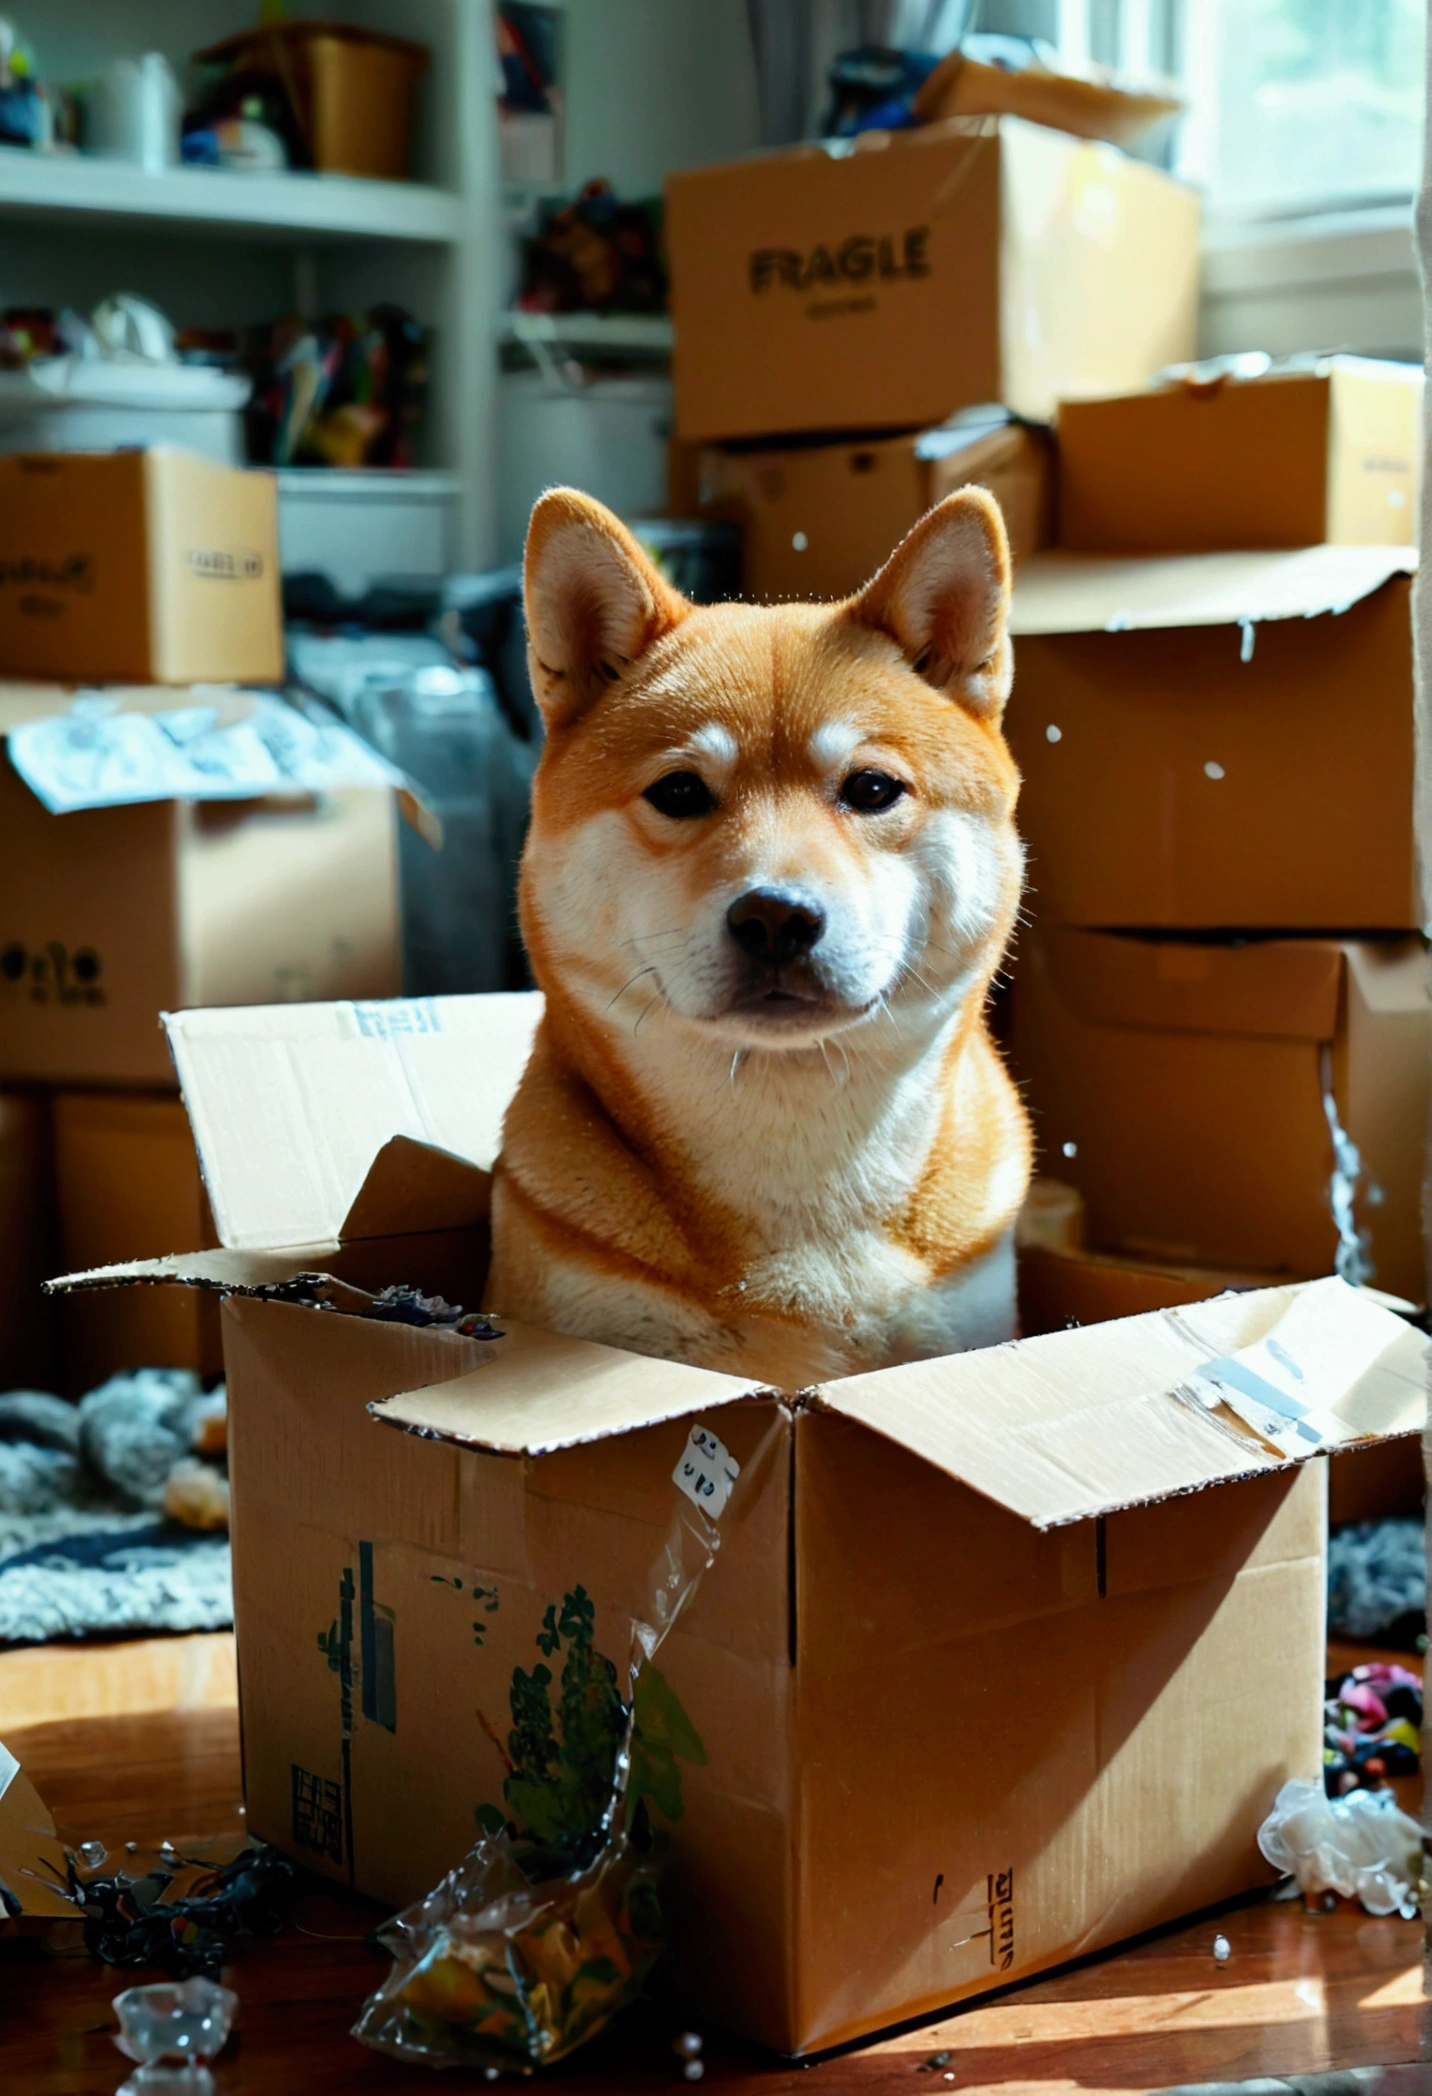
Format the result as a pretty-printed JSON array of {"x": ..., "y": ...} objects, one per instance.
[
  {"x": 550, "y": 1925},
  {"x": 1360, "y": 1846},
  {"x": 506, "y": 1965}
]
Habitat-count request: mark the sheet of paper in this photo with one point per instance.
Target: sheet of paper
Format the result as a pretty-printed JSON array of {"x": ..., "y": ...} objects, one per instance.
[{"x": 99, "y": 756}]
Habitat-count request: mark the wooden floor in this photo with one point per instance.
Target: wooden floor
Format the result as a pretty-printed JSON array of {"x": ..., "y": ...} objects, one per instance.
[{"x": 139, "y": 1742}]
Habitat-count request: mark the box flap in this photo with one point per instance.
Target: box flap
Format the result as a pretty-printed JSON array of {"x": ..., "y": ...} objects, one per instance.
[
  {"x": 232, "y": 1273},
  {"x": 292, "y": 1104},
  {"x": 33, "y": 1865},
  {"x": 538, "y": 1391},
  {"x": 1087, "y": 593},
  {"x": 411, "y": 1187},
  {"x": 1080, "y": 1423}
]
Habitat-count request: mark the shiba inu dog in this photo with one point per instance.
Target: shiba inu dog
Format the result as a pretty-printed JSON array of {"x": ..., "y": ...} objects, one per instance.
[{"x": 771, "y": 871}]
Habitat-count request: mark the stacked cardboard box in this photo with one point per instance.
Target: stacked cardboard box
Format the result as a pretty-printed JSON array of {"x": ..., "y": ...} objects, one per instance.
[
  {"x": 1220, "y": 1013},
  {"x": 126, "y": 579},
  {"x": 857, "y": 332}
]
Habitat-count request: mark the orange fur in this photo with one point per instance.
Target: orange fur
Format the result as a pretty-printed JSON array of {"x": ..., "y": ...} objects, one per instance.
[{"x": 769, "y": 1162}]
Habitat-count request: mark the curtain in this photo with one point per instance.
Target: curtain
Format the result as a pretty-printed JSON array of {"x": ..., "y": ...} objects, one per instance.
[{"x": 795, "y": 42}]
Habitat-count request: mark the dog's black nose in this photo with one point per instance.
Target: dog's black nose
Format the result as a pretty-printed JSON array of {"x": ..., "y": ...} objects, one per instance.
[{"x": 771, "y": 927}]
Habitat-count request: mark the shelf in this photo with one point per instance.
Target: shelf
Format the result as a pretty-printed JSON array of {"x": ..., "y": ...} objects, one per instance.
[
  {"x": 78, "y": 188},
  {"x": 649, "y": 333},
  {"x": 367, "y": 483}
]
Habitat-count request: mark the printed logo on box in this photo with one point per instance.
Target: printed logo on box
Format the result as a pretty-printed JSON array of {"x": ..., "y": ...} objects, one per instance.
[
  {"x": 317, "y": 1813},
  {"x": 1001, "y": 1919},
  {"x": 75, "y": 571},
  {"x": 52, "y": 974},
  {"x": 861, "y": 259},
  {"x": 394, "y": 1017},
  {"x": 707, "y": 1472}
]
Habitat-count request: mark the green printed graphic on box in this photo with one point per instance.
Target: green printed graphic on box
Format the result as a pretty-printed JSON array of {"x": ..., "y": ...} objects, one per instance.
[
  {"x": 562, "y": 1756},
  {"x": 567, "y": 1718}
]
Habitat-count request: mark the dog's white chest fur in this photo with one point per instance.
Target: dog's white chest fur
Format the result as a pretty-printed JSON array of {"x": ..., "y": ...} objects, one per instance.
[
  {"x": 871, "y": 1306},
  {"x": 815, "y": 1161}
]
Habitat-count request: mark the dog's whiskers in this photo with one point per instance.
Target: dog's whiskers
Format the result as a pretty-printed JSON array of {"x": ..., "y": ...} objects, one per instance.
[
  {"x": 844, "y": 1077},
  {"x": 736, "y": 1061},
  {"x": 650, "y": 969},
  {"x": 645, "y": 938},
  {"x": 642, "y": 1014}
]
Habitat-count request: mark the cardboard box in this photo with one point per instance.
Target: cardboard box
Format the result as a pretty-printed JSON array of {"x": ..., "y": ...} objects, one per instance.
[
  {"x": 818, "y": 520},
  {"x": 110, "y": 915},
  {"x": 888, "y": 284},
  {"x": 855, "y": 1847},
  {"x": 1241, "y": 723},
  {"x": 1182, "y": 1087},
  {"x": 127, "y": 1183},
  {"x": 1331, "y": 453},
  {"x": 156, "y": 566},
  {"x": 29, "y": 1240}
]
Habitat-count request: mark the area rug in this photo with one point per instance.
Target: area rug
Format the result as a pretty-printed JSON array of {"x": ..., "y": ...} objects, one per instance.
[
  {"x": 100, "y": 1570},
  {"x": 86, "y": 1547}
]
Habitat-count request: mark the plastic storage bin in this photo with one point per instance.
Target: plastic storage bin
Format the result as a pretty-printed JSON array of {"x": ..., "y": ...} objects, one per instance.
[
  {"x": 79, "y": 404},
  {"x": 360, "y": 527}
]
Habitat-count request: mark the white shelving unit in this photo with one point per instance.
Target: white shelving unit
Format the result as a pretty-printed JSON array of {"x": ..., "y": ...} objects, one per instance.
[
  {"x": 217, "y": 248},
  {"x": 72, "y": 188},
  {"x": 616, "y": 333}
]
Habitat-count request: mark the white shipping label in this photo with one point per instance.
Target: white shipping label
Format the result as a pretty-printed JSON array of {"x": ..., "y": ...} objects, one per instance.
[{"x": 707, "y": 1472}]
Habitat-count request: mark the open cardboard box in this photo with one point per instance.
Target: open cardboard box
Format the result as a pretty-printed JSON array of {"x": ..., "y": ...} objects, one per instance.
[
  {"x": 1003, "y": 1657},
  {"x": 110, "y": 911}
]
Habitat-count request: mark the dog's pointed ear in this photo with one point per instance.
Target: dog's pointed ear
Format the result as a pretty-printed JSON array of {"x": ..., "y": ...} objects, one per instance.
[
  {"x": 943, "y": 597},
  {"x": 594, "y": 602}
]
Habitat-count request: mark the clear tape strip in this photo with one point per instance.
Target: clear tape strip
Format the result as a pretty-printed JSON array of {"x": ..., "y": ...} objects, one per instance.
[{"x": 1351, "y": 1263}]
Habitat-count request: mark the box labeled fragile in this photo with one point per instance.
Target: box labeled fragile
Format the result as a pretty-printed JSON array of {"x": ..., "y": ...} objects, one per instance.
[
  {"x": 1329, "y": 453},
  {"x": 1241, "y": 722},
  {"x": 157, "y": 566},
  {"x": 818, "y": 520},
  {"x": 446, "y": 1548},
  {"x": 1216, "y": 1103},
  {"x": 885, "y": 285}
]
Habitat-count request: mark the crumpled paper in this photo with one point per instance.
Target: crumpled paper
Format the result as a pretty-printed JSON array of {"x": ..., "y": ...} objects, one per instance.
[{"x": 1361, "y": 1846}]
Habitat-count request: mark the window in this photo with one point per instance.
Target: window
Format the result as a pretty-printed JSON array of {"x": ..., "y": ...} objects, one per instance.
[{"x": 1301, "y": 105}]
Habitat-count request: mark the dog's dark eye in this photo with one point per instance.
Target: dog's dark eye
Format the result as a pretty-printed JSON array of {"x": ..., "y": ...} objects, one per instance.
[
  {"x": 681, "y": 794},
  {"x": 870, "y": 791}
]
